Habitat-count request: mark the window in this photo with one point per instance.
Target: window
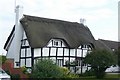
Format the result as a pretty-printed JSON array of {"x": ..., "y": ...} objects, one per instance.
[
  {"x": 66, "y": 52},
  {"x": 28, "y": 62},
  {"x": 45, "y": 51},
  {"x": 17, "y": 63},
  {"x": 53, "y": 52},
  {"x": 60, "y": 52},
  {"x": 59, "y": 62},
  {"x": 55, "y": 43}
]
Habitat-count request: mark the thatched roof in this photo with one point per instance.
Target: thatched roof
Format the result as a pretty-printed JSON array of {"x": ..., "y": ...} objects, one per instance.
[
  {"x": 101, "y": 45},
  {"x": 40, "y": 30},
  {"x": 111, "y": 44}
]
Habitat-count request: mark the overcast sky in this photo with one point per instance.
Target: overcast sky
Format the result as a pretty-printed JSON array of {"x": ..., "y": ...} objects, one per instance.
[{"x": 101, "y": 15}]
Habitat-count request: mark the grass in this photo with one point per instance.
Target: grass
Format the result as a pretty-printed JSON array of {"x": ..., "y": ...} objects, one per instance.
[
  {"x": 107, "y": 77},
  {"x": 112, "y": 76}
]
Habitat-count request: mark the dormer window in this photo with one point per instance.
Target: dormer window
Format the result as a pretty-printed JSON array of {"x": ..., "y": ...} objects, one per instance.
[{"x": 55, "y": 43}]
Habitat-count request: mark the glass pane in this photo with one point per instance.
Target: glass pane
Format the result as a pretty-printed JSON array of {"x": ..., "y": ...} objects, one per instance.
[
  {"x": 66, "y": 60},
  {"x": 53, "y": 52},
  {"x": 66, "y": 52},
  {"x": 79, "y": 52},
  {"x": 84, "y": 53},
  {"x": 53, "y": 59},
  {"x": 45, "y": 51},
  {"x": 37, "y": 52},
  {"x": 22, "y": 63},
  {"x": 60, "y": 52},
  {"x": 59, "y": 62},
  {"x": 28, "y": 62},
  {"x": 22, "y": 52},
  {"x": 28, "y": 52},
  {"x": 26, "y": 43},
  {"x": 72, "y": 52},
  {"x": 72, "y": 61}
]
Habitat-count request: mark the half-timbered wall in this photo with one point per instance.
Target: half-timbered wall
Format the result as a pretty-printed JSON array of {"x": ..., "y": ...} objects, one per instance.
[
  {"x": 25, "y": 53},
  {"x": 61, "y": 54},
  {"x": 56, "y": 50}
]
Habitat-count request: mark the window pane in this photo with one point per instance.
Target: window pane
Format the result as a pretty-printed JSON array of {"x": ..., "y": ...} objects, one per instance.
[
  {"x": 53, "y": 52},
  {"x": 72, "y": 52},
  {"x": 26, "y": 43},
  {"x": 28, "y": 62},
  {"x": 53, "y": 59},
  {"x": 66, "y": 52},
  {"x": 22, "y": 52},
  {"x": 84, "y": 53},
  {"x": 22, "y": 63},
  {"x": 79, "y": 52},
  {"x": 45, "y": 51},
  {"x": 72, "y": 59},
  {"x": 66, "y": 59},
  {"x": 60, "y": 52},
  {"x": 59, "y": 62},
  {"x": 28, "y": 52},
  {"x": 37, "y": 52}
]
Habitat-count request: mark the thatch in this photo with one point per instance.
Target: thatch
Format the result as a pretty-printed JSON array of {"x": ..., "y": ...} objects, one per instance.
[
  {"x": 101, "y": 45},
  {"x": 111, "y": 44},
  {"x": 40, "y": 30}
]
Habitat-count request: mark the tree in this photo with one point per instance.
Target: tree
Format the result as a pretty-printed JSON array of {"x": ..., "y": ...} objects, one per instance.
[{"x": 100, "y": 60}]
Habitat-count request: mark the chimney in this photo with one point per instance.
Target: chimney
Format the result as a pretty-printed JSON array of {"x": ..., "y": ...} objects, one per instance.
[
  {"x": 82, "y": 20},
  {"x": 19, "y": 13},
  {"x": 18, "y": 33}
]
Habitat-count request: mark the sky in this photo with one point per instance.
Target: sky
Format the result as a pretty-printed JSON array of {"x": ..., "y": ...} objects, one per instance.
[{"x": 101, "y": 15}]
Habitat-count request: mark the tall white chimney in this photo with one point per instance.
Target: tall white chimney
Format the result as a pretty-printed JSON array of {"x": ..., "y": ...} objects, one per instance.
[
  {"x": 18, "y": 33},
  {"x": 119, "y": 21}
]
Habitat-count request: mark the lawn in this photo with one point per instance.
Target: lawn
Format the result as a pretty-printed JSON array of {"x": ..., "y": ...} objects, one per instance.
[{"x": 108, "y": 77}]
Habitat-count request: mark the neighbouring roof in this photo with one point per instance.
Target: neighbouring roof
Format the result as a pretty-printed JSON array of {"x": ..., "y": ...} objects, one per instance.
[
  {"x": 40, "y": 30},
  {"x": 110, "y": 44},
  {"x": 101, "y": 45}
]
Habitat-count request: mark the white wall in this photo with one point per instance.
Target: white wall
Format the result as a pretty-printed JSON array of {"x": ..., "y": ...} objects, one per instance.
[{"x": 14, "y": 49}]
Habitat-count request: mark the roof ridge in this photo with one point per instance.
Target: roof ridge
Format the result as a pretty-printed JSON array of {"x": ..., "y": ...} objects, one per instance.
[
  {"x": 108, "y": 40},
  {"x": 42, "y": 19}
]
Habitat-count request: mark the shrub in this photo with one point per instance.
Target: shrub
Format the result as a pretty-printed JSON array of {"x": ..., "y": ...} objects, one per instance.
[
  {"x": 15, "y": 76},
  {"x": 67, "y": 73},
  {"x": 2, "y": 59},
  {"x": 89, "y": 73},
  {"x": 46, "y": 69}
]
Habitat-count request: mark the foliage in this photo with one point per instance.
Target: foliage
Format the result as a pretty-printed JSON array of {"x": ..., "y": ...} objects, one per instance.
[
  {"x": 100, "y": 60},
  {"x": 67, "y": 73},
  {"x": 118, "y": 56},
  {"x": 24, "y": 70},
  {"x": 2, "y": 59},
  {"x": 88, "y": 73},
  {"x": 46, "y": 68},
  {"x": 15, "y": 76}
]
